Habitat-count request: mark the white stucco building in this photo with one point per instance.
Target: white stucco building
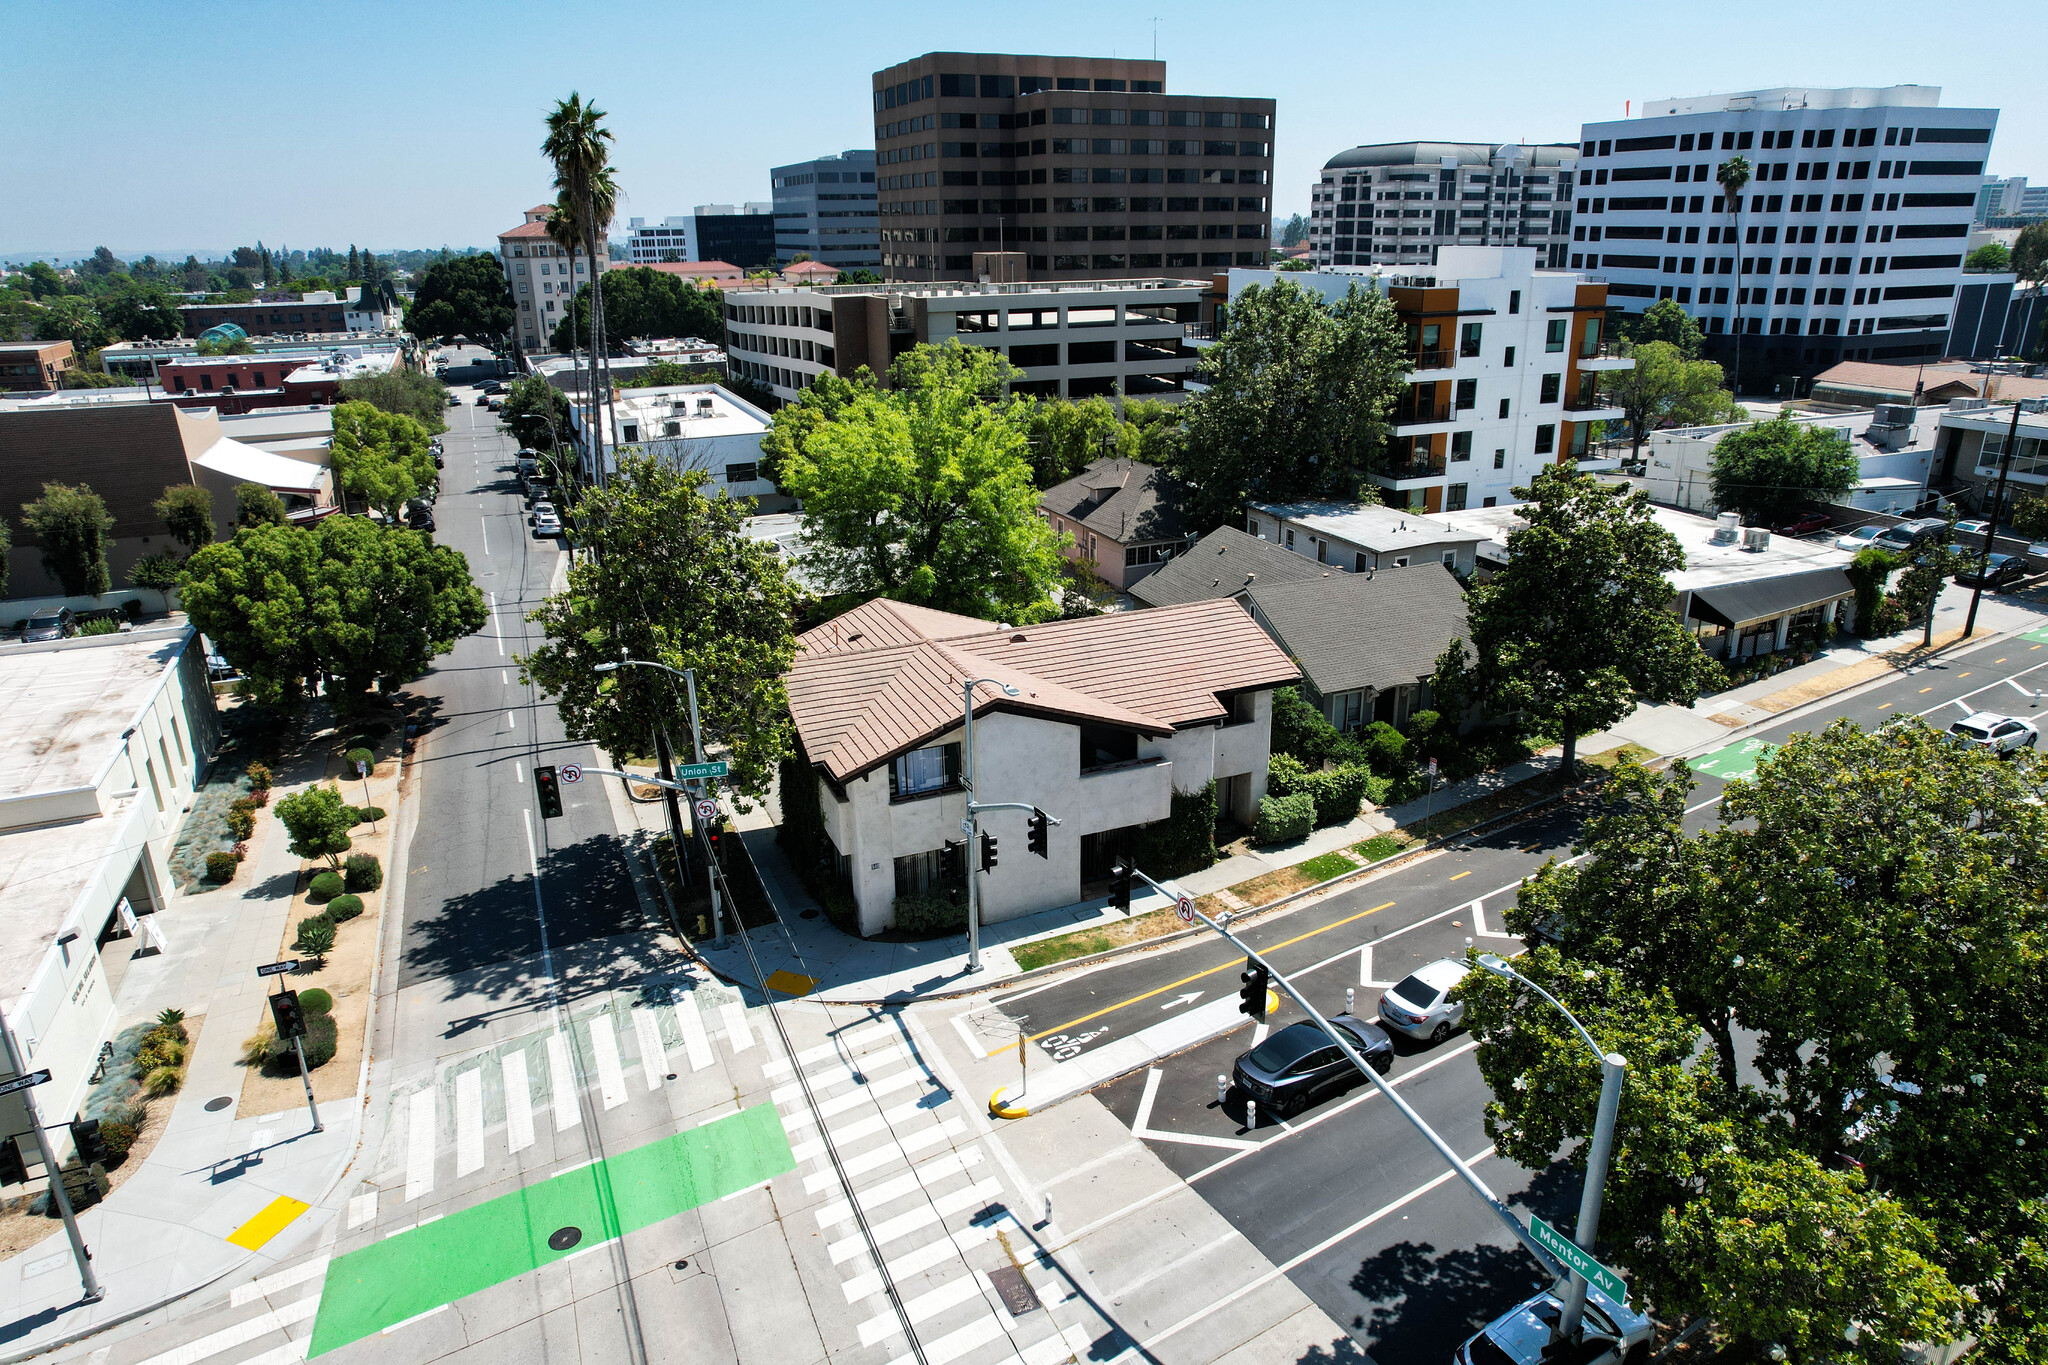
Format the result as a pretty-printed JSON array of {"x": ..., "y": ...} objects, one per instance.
[
  {"x": 688, "y": 426},
  {"x": 1113, "y": 714},
  {"x": 1894, "y": 445}
]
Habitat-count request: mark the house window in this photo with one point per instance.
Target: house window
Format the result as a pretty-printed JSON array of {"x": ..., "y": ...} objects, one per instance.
[
  {"x": 1251, "y": 527},
  {"x": 1553, "y": 338},
  {"x": 1546, "y": 439},
  {"x": 917, "y": 872},
  {"x": 741, "y": 473},
  {"x": 1290, "y": 537},
  {"x": 1147, "y": 554},
  {"x": 1454, "y": 501},
  {"x": 1461, "y": 445},
  {"x": 1400, "y": 561},
  {"x": 1468, "y": 340},
  {"x": 1346, "y": 710},
  {"x": 1500, "y": 459},
  {"x": 1359, "y": 565},
  {"x": 1551, "y": 384},
  {"x": 1468, "y": 394},
  {"x": 924, "y": 771}
]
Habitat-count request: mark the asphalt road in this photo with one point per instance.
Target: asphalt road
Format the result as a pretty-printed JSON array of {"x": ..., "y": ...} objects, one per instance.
[{"x": 1347, "y": 1197}]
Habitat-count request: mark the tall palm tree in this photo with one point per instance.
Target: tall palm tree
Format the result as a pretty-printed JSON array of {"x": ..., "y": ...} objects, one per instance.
[
  {"x": 579, "y": 145},
  {"x": 564, "y": 233},
  {"x": 1734, "y": 177}
]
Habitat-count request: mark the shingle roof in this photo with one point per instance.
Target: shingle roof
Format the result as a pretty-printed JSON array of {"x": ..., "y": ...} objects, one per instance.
[
  {"x": 1375, "y": 630},
  {"x": 1877, "y": 377},
  {"x": 1122, "y": 500},
  {"x": 856, "y": 705},
  {"x": 1221, "y": 564}
]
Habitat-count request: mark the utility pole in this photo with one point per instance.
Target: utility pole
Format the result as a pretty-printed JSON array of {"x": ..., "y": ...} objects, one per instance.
[
  {"x": 970, "y": 824},
  {"x": 93, "y": 1290},
  {"x": 2012, "y": 434}
]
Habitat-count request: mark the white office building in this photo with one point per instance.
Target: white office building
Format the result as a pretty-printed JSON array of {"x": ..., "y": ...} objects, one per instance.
[
  {"x": 1847, "y": 244},
  {"x": 689, "y": 427},
  {"x": 827, "y": 208},
  {"x": 1398, "y": 203},
  {"x": 1505, "y": 362},
  {"x": 672, "y": 239}
]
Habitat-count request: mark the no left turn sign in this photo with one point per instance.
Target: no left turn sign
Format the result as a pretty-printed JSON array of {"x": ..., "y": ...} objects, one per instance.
[
  {"x": 1184, "y": 906},
  {"x": 570, "y": 772},
  {"x": 707, "y": 809}
]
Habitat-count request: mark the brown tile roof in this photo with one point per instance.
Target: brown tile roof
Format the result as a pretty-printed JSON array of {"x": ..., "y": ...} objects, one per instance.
[
  {"x": 811, "y": 268},
  {"x": 525, "y": 230},
  {"x": 1951, "y": 377},
  {"x": 720, "y": 270},
  {"x": 858, "y": 704}
]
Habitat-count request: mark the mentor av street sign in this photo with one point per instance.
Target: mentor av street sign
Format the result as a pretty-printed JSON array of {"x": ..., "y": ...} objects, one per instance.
[{"x": 1559, "y": 1245}]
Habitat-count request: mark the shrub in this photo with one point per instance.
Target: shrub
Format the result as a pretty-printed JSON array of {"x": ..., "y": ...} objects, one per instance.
[
  {"x": 344, "y": 908},
  {"x": 930, "y": 912},
  {"x": 1185, "y": 841},
  {"x": 241, "y": 823},
  {"x": 259, "y": 1046},
  {"x": 1285, "y": 817},
  {"x": 172, "y": 1021},
  {"x": 1285, "y": 774},
  {"x": 1337, "y": 792},
  {"x": 325, "y": 887},
  {"x": 322, "y": 1037},
  {"x": 220, "y": 867},
  {"x": 105, "y": 625},
  {"x": 244, "y": 803},
  {"x": 157, "y": 1053},
  {"x": 258, "y": 798},
  {"x": 119, "y": 1137},
  {"x": 165, "y": 1080},
  {"x": 359, "y": 757},
  {"x": 365, "y": 814},
  {"x": 240, "y": 850},
  {"x": 316, "y": 936},
  {"x": 1386, "y": 748},
  {"x": 259, "y": 776},
  {"x": 362, "y": 871},
  {"x": 314, "y": 1000}
]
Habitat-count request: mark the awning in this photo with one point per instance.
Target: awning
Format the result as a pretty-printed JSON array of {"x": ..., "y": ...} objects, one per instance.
[{"x": 1735, "y": 604}]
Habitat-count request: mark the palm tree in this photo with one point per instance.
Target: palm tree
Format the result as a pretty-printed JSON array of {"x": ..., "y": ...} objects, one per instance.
[
  {"x": 579, "y": 145},
  {"x": 1734, "y": 177},
  {"x": 564, "y": 233}
]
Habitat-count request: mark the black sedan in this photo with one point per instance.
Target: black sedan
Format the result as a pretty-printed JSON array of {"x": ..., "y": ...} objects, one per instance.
[
  {"x": 2000, "y": 571},
  {"x": 1299, "y": 1065}
]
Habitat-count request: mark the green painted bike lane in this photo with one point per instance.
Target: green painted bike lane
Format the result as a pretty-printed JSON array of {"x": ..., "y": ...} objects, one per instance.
[
  {"x": 466, "y": 1252},
  {"x": 1734, "y": 760}
]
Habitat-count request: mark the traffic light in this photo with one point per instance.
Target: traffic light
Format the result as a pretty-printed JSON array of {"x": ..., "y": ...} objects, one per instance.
[
  {"x": 286, "y": 1014},
  {"x": 1251, "y": 996},
  {"x": 92, "y": 1148},
  {"x": 1034, "y": 834},
  {"x": 988, "y": 852},
  {"x": 1120, "y": 884},
  {"x": 714, "y": 840},
  {"x": 549, "y": 788},
  {"x": 952, "y": 860},
  {"x": 13, "y": 1171}
]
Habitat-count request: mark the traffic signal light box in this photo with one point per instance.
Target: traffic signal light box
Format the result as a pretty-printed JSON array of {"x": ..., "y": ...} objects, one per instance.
[{"x": 548, "y": 788}]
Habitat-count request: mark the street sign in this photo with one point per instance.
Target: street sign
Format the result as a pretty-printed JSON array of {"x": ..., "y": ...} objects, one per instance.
[
  {"x": 1184, "y": 906},
  {"x": 687, "y": 771},
  {"x": 1432, "y": 767},
  {"x": 569, "y": 772},
  {"x": 23, "y": 1082},
  {"x": 278, "y": 968},
  {"x": 707, "y": 809},
  {"x": 1560, "y": 1246}
]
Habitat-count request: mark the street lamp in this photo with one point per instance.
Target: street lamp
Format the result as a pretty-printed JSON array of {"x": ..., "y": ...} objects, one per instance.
[
  {"x": 689, "y": 677},
  {"x": 970, "y": 826},
  {"x": 1612, "y": 1065}
]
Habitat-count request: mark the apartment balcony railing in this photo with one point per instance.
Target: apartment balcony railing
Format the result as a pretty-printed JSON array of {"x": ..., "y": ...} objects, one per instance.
[
  {"x": 1591, "y": 402},
  {"x": 1416, "y": 414},
  {"x": 1431, "y": 358},
  {"x": 1416, "y": 469}
]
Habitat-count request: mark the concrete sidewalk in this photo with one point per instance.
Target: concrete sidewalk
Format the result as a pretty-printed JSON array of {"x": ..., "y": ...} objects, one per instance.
[{"x": 163, "y": 1233}]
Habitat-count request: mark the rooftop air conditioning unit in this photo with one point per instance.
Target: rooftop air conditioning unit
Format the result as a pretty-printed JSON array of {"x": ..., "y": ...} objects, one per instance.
[
  {"x": 704, "y": 405},
  {"x": 1966, "y": 404},
  {"x": 1756, "y": 538},
  {"x": 1892, "y": 415},
  {"x": 2034, "y": 405},
  {"x": 1727, "y": 528}
]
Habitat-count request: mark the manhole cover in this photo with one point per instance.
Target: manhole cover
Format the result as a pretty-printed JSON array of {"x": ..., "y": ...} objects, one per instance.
[
  {"x": 561, "y": 1239},
  {"x": 218, "y": 1103}
]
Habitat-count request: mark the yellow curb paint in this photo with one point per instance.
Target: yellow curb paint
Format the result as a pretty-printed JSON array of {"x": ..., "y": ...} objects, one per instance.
[
  {"x": 997, "y": 1109},
  {"x": 278, "y": 1213},
  {"x": 791, "y": 983}
]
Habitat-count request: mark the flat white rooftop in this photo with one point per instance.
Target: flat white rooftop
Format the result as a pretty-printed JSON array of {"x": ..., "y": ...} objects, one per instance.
[
  {"x": 1377, "y": 528},
  {"x": 1796, "y": 97},
  {"x": 67, "y": 705},
  {"x": 700, "y": 409},
  {"x": 1706, "y": 563}
]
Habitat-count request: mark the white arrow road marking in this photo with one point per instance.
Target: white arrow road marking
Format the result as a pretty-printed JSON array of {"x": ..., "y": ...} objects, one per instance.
[
  {"x": 1478, "y": 909},
  {"x": 1189, "y": 998}
]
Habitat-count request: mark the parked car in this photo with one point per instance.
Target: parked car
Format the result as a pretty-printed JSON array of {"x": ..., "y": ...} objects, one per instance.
[
  {"x": 494, "y": 387},
  {"x": 1420, "y": 1006},
  {"x": 2037, "y": 553},
  {"x": 1610, "y": 1333},
  {"x": 219, "y": 669},
  {"x": 2000, "y": 571},
  {"x": 454, "y": 401},
  {"x": 1911, "y": 535},
  {"x": 1973, "y": 528},
  {"x": 483, "y": 399},
  {"x": 1804, "y": 524},
  {"x": 1299, "y": 1065},
  {"x": 1858, "y": 539},
  {"x": 54, "y": 623},
  {"x": 547, "y": 524},
  {"x": 1999, "y": 734},
  {"x": 494, "y": 405}
]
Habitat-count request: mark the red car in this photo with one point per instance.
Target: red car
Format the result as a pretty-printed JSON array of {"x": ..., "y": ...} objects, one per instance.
[{"x": 1803, "y": 525}]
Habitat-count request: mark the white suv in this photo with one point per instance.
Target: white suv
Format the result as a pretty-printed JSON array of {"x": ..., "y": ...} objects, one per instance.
[{"x": 1999, "y": 734}]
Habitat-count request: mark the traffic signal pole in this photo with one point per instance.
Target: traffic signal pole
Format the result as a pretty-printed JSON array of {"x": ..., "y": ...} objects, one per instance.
[
  {"x": 93, "y": 1290},
  {"x": 1443, "y": 1149}
]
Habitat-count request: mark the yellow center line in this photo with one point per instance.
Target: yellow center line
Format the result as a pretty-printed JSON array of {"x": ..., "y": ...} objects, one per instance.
[
  {"x": 1886, "y": 707},
  {"x": 1998, "y": 661},
  {"x": 1926, "y": 689},
  {"x": 1172, "y": 985},
  {"x": 1962, "y": 675},
  {"x": 1466, "y": 873}
]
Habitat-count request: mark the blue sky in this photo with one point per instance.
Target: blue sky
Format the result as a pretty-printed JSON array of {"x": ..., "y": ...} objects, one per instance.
[{"x": 181, "y": 127}]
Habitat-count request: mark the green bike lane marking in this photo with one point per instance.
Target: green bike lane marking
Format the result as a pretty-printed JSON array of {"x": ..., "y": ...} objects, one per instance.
[
  {"x": 2040, "y": 633},
  {"x": 1735, "y": 760},
  {"x": 401, "y": 1277}
]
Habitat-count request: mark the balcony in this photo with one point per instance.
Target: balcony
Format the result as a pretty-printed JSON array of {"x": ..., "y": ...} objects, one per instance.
[
  {"x": 1408, "y": 472},
  {"x": 1431, "y": 358},
  {"x": 1593, "y": 408},
  {"x": 1421, "y": 414},
  {"x": 1606, "y": 356}
]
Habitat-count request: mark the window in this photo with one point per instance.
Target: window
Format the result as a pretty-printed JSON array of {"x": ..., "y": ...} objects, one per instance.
[
  {"x": 1514, "y": 301},
  {"x": 1546, "y": 439},
  {"x": 1553, "y": 336},
  {"x": 1503, "y": 409},
  {"x": 1461, "y": 445},
  {"x": 924, "y": 771},
  {"x": 1508, "y": 359},
  {"x": 1468, "y": 394},
  {"x": 1551, "y": 385},
  {"x": 1500, "y": 461},
  {"x": 917, "y": 872},
  {"x": 1468, "y": 340},
  {"x": 741, "y": 473}
]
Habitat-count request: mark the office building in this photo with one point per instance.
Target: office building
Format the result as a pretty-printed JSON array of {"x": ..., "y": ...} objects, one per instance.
[
  {"x": 2001, "y": 198},
  {"x": 1117, "y": 338},
  {"x": 672, "y": 239},
  {"x": 36, "y": 365},
  {"x": 1505, "y": 359},
  {"x": 1847, "y": 244},
  {"x": 1395, "y": 203},
  {"x": 827, "y": 208},
  {"x": 1083, "y": 166},
  {"x": 743, "y": 234},
  {"x": 541, "y": 278}
]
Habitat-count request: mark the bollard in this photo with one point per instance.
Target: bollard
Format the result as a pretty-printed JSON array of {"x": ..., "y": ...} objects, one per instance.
[
  {"x": 1251, "y": 1116},
  {"x": 1350, "y": 994},
  {"x": 1048, "y": 1210},
  {"x": 1222, "y": 1090}
]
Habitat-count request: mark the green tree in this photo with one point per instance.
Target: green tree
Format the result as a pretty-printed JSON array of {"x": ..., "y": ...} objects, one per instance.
[
  {"x": 2030, "y": 253},
  {"x": 43, "y": 280},
  {"x": 388, "y": 602},
  {"x": 1066, "y": 435},
  {"x": 1297, "y": 401},
  {"x": 818, "y": 405},
  {"x": 418, "y": 396},
  {"x": 1990, "y": 256},
  {"x": 186, "y": 510},
  {"x": 382, "y": 457},
  {"x": 579, "y": 146},
  {"x": 1928, "y": 569},
  {"x": 71, "y": 524},
  {"x": 318, "y": 821},
  {"x": 1771, "y": 471},
  {"x": 1576, "y": 629},
  {"x": 76, "y": 320},
  {"x": 537, "y": 412},
  {"x": 157, "y": 573},
  {"x": 1665, "y": 387},
  {"x": 1733, "y": 176},
  {"x": 256, "y": 505},
  {"x": 664, "y": 373},
  {"x": 2030, "y": 516},
  {"x": 922, "y": 492},
  {"x": 858, "y": 276},
  {"x": 1868, "y": 573},
  {"x": 1870, "y": 906},
  {"x": 1295, "y": 232},
  {"x": 139, "y": 311},
  {"x": 674, "y": 579},
  {"x": 255, "y": 596},
  {"x": 1667, "y": 322},
  {"x": 465, "y": 296},
  {"x": 640, "y": 302}
]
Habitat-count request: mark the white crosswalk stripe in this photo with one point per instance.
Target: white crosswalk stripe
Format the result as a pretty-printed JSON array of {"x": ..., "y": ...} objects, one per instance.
[
  {"x": 262, "y": 1325},
  {"x": 847, "y": 1046},
  {"x": 926, "y": 1305},
  {"x": 916, "y": 1262},
  {"x": 283, "y": 1279},
  {"x": 873, "y": 1160},
  {"x": 888, "y": 1085},
  {"x": 923, "y": 1177},
  {"x": 562, "y": 1084},
  {"x": 518, "y": 1103},
  {"x": 469, "y": 1121},
  {"x": 957, "y": 1343},
  {"x": 604, "y": 1047},
  {"x": 867, "y": 1067},
  {"x": 845, "y": 1134},
  {"x": 419, "y": 1145},
  {"x": 695, "y": 1043},
  {"x": 362, "y": 1210},
  {"x": 903, "y": 1224},
  {"x": 653, "y": 1056},
  {"x": 736, "y": 1031}
]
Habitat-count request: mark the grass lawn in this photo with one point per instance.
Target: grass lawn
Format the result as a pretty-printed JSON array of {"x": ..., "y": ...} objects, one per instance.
[
  {"x": 1097, "y": 938},
  {"x": 1380, "y": 846},
  {"x": 1327, "y": 865}
]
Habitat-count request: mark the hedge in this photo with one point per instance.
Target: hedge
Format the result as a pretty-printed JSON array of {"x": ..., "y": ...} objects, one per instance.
[
  {"x": 344, "y": 908},
  {"x": 1285, "y": 817},
  {"x": 930, "y": 912},
  {"x": 221, "y": 867},
  {"x": 322, "y": 1037},
  {"x": 324, "y": 887},
  {"x": 314, "y": 1000},
  {"x": 1337, "y": 792},
  {"x": 1185, "y": 841},
  {"x": 367, "y": 814},
  {"x": 362, "y": 872}
]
